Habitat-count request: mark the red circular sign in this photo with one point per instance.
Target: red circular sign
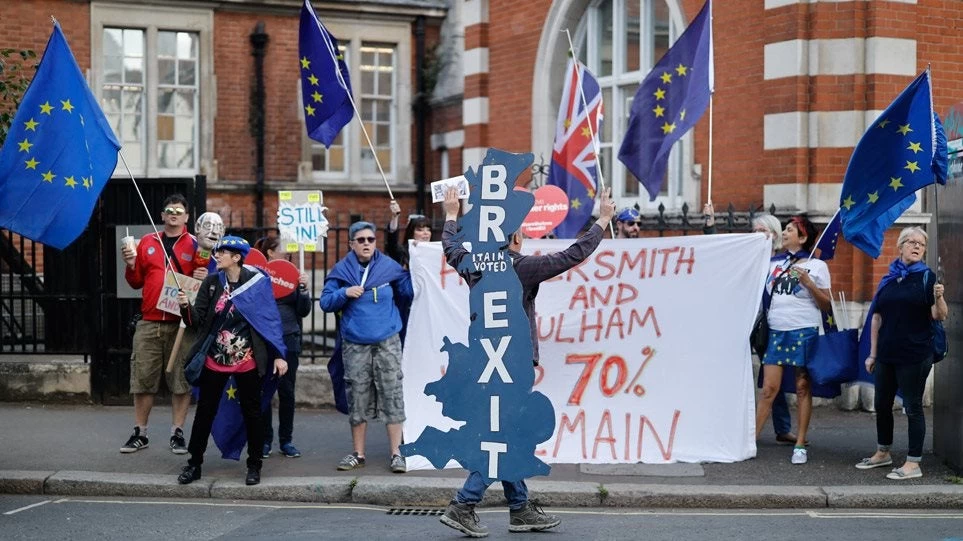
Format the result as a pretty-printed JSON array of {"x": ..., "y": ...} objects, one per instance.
[
  {"x": 284, "y": 277},
  {"x": 549, "y": 210},
  {"x": 256, "y": 258}
]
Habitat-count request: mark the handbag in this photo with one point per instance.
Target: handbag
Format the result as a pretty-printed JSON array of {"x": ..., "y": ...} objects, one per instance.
[
  {"x": 759, "y": 338},
  {"x": 193, "y": 369},
  {"x": 834, "y": 357}
]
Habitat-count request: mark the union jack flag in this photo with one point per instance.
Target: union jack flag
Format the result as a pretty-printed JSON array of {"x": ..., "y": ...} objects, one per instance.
[{"x": 574, "y": 163}]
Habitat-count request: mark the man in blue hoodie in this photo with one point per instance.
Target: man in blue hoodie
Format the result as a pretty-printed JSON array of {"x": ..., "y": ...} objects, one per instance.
[{"x": 365, "y": 287}]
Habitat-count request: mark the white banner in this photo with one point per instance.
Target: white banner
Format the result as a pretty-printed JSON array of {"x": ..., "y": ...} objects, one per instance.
[{"x": 644, "y": 348}]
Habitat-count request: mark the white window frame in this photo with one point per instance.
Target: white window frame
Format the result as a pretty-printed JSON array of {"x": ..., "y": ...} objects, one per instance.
[
  {"x": 152, "y": 20},
  {"x": 352, "y": 34},
  {"x": 683, "y": 183}
]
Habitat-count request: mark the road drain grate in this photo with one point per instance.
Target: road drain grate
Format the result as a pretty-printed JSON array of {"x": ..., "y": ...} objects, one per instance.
[{"x": 410, "y": 511}]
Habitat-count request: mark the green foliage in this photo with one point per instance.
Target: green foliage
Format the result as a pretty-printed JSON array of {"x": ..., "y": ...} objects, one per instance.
[
  {"x": 16, "y": 71},
  {"x": 603, "y": 493}
]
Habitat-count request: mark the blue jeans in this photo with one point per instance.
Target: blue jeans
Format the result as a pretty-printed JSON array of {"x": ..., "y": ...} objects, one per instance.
[
  {"x": 475, "y": 486},
  {"x": 781, "y": 420}
]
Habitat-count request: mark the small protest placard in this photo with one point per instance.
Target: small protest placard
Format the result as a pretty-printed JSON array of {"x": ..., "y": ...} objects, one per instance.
[
  {"x": 439, "y": 187},
  {"x": 168, "y": 297},
  {"x": 549, "y": 210},
  {"x": 301, "y": 220}
]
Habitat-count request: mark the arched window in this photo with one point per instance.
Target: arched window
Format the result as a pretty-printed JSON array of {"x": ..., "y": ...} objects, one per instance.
[{"x": 620, "y": 41}]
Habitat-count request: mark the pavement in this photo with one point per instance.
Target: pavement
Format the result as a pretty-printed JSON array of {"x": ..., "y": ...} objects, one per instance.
[{"x": 73, "y": 450}]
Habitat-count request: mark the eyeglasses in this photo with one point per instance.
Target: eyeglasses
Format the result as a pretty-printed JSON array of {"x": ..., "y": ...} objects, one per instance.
[
  {"x": 175, "y": 211},
  {"x": 917, "y": 243},
  {"x": 365, "y": 240}
]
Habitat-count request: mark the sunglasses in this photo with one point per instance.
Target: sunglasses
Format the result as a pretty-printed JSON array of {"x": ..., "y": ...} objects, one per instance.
[
  {"x": 416, "y": 217},
  {"x": 175, "y": 211},
  {"x": 365, "y": 240}
]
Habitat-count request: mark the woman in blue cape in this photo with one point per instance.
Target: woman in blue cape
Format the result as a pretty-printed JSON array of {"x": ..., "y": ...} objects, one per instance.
[
  {"x": 908, "y": 300},
  {"x": 366, "y": 287}
]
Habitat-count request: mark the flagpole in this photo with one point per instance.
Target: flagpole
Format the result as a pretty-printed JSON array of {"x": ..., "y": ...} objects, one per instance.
[
  {"x": 588, "y": 116},
  {"x": 709, "y": 175},
  {"x": 337, "y": 71},
  {"x": 820, "y": 238}
]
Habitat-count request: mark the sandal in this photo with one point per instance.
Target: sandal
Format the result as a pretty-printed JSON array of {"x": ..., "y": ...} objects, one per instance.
[
  {"x": 899, "y": 474},
  {"x": 868, "y": 464}
]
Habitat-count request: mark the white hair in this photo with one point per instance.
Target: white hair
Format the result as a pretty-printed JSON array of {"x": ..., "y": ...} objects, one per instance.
[
  {"x": 771, "y": 223},
  {"x": 906, "y": 232}
]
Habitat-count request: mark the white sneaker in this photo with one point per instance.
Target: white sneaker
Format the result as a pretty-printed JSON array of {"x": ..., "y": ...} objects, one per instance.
[{"x": 799, "y": 456}]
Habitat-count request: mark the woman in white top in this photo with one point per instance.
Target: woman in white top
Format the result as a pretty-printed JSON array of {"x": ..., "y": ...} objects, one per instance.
[{"x": 799, "y": 289}]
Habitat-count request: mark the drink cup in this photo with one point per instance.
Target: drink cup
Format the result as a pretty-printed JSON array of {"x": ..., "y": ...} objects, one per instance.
[{"x": 128, "y": 242}]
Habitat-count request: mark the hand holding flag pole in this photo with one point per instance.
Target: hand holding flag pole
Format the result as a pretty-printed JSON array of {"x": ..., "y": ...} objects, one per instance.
[{"x": 595, "y": 141}]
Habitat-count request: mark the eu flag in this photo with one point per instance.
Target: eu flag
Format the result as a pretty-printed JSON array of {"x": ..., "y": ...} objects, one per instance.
[
  {"x": 228, "y": 430},
  {"x": 902, "y": 151},
  {"x": 669, "y": 102},
  {"x": 575, "y": 166},
  {"x": 828, "y": 240},
  {"x": 58, "y": 155},
  {"x": 325, "y": 86}
]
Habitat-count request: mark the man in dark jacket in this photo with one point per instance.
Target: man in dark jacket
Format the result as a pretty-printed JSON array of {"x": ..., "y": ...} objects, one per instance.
[{"x": 532, "y": 270}]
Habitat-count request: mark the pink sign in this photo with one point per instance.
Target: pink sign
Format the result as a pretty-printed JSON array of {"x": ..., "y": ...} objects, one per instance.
[{"x": 549, "y": 210}]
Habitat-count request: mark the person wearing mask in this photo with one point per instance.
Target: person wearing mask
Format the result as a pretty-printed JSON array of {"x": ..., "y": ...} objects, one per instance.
[
  {"x": 532, "y": 270},
  {"x": 364, "y": 288},
  {"x": 799, "y": 288},
  {"x": 235, "y": 308},
  {"x": 293, "y": 308},
  {"x": 907, "y": 301}
]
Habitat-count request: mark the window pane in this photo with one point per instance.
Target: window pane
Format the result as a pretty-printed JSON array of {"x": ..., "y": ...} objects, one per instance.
[
  {"x": 384, "y": 83},
  {"x": 382, "y": 137},
  {"x": 367, "y": 82},
  {"x": 113, "y": 42},
  {"x": 113, "y": 71},
  {"x": 185, "y": 156},
  {"x": 660, "y": 30},
  {"x": 384, "y": 110},
  {"x": 130, "y": 131},
  {"x": 165, "y": 155},
  {"x": 185, "y": 72},
  {"x": 165, "y": 128},
  {"x": 134, "y": 154},
  {"x": 633, "y": 45},
  {"x": 134, "y": 70},
  {"x": 186, "y": 45},
  {"x": 603, "y": 31},
  {"x": 133, "y": 100},
  {"x": 110, "y": 101},
  {"x": 607, "y": 119},
  {"x": 184, "y": 105},
  {"x": 184, "y": 129},
  {"x": 167, "y": 44},
  {"x": 133, "y": 42},
  {"x": 165, "y": 101},
  {"x": 166, "y": 71}
]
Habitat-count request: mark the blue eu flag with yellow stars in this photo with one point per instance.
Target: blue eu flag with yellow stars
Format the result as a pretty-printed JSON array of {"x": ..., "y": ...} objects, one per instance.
[
  {"x": 325, "y": 86},
  {"x": 902, "y": 151},
  {"x": 669, "y": 102},
  {"x": 59, "y": 153}
]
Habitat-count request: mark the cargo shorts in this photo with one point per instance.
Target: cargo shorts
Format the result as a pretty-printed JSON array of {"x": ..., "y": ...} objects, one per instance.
[
  {"x": 153, "y": 342},
  {"x": 373, "y": 376}
]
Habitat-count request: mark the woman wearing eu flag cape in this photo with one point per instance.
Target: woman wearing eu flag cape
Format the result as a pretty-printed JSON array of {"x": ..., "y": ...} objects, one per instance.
[
  {"x": 907, "y": 301},
  {"x": 240, "y": 329}
]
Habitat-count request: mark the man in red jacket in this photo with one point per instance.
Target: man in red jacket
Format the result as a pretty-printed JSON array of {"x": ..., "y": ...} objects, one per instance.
[{"x": 156, "y": 331}]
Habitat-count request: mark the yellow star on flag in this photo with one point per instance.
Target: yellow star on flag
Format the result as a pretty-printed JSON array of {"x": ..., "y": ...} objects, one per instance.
[
  {"x": 25, "y": 145},
  {"x": 874, "y": 197},
  {"x": 567, "y": 123},
  {"x": 49, "y": 176},
  {"x": 591, "y": 193},
  {"x": 882, "y": 124},
  {"x": 659, "y": 94},
  {"x": 681, "y": 70},
  {"x": 666, "y": 77},
  {"x": 305, "y": 63},
  {"x": 912, "y": 166},
  {"x": 231, "y": 391},
  {"x": 575, "y": 203},
  {"x": 45, "y": 108},
  {"x": 317, "y": 97},
  {"x": 69, "y": 181},
  {"x": 32, "y": 163},
  {"x": 309, "y": 110},
  {"x": 830, "y": 320},
  {"x": 31, "y": 125},
  {"x": 915, "y": 147},
  {"x": 848, "y": 202},
  {"x": 586, "y": 132},
  {"x": 65, "y": 105},
  {"x": 895, "y": 184},
  {"x": 87, "y": 182},
  {"x": 668, "y": 128},
  {"x": 682, "y": 115},
  {"x": 904, "y": 129},
  {"x": 659, "y": 111},
  {"x": 313, "y": 80}
]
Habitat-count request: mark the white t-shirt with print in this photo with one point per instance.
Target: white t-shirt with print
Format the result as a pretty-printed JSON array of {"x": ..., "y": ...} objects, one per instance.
[{"x": 792, "y": 304}]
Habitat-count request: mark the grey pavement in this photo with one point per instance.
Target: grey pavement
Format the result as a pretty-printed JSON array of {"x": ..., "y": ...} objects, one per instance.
[{"x": 73, "y": 450}]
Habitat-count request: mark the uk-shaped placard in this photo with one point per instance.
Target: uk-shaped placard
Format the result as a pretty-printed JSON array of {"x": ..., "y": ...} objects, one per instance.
[{"x": 488, "y": 382}]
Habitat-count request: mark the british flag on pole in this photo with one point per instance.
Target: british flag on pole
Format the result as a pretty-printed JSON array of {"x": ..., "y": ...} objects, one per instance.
[{"x": 574, "y": 163}]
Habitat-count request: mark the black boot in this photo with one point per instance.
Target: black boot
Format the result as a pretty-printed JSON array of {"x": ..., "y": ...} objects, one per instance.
[
  {"x": 253, "y": 476},
  {"x": 189, "y": 474}
]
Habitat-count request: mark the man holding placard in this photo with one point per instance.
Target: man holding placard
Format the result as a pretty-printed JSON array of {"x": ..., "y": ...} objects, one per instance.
[{"x": 155, "y": 257}]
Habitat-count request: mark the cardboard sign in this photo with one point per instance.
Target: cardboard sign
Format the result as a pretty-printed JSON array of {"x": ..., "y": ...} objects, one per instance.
[
  {"x": 439, "y": 187},
  {"x": 168, "y": 297},
  {"x": 549, "y": 210},
  {"x": 301, "y": 220},
  {"x": 284, "y": 277}
]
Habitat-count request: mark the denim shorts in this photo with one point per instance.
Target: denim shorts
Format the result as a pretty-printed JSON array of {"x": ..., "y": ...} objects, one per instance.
[{"x": 373, "y": 376}]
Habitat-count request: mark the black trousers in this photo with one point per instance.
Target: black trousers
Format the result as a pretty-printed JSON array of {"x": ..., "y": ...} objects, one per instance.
[
  {"x": 286, "y": 385},
  {"x": 910, "y": 379},
  {"x": 249, "y": 395}
]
